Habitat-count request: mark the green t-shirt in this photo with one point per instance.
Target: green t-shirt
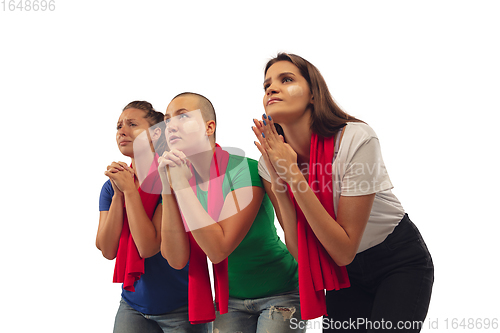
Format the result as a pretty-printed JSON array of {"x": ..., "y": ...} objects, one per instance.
[{"x": 261, "y": 265}]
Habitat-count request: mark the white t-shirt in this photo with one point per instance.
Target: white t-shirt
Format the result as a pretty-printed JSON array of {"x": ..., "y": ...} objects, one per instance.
[{"x": 358, "y": 169}]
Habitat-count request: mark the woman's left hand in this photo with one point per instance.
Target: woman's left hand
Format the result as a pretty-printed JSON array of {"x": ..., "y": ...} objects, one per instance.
[
  {"x": 178, "y": 168},
  {"x": 121, "y": 175},
  {"x": 280, "y": 154}
]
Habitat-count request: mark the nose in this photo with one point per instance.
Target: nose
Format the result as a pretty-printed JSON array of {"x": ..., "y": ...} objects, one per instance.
[
  {"x": 121, "y": 131},
  {"x": 172, "y": 125},
  {"x": 271, "y": 89}
]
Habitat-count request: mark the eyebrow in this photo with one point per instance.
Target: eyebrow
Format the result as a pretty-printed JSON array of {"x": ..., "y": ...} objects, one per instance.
[
  {"x": 176, "y": 112},
  {"x": 280, "y": 75},
  {"x": 128, "y": 120}
]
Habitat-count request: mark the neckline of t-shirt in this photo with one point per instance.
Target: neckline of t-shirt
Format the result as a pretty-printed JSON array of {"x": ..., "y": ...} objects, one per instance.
[{"x": 198, "y": 188}]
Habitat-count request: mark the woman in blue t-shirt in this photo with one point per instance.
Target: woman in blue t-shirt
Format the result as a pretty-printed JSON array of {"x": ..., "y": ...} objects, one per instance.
[{"x": 154, "y": 296}]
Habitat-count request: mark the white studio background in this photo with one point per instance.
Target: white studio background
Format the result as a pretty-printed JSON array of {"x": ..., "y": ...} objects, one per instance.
[{"x": 423, "y": 74}]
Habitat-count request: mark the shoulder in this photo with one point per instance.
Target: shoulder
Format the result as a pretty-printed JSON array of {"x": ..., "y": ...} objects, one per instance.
[
  {"x": 358, "y": 142},
  {"x": 359, "y": 131},
  {"x": 356, "y": 135},
  {"x": 243, "y": 171},
  {"x": 239, "y": 159},
  {"x": 107, "y": 188},
  {"x": 239, "y": 162},
  {"x": 106, "y": 196}
]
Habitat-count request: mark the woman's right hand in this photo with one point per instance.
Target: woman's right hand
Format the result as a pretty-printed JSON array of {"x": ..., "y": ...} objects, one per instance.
[
  {"x": 174, "y": 169},
  {"x": 115, "y": 167},
  {"x": 163, "y": 162},
  {"x": 278, "y": 185},
  {"x": 176, "y": 163}
]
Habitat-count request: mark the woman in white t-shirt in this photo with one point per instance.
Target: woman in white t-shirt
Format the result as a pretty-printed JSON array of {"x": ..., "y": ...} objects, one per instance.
[{"x": 319, "y": 154}]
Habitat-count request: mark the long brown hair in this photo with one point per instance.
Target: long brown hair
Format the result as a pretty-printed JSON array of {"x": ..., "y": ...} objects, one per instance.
[
  {"x": 155, "y": 120},
  {"x": 326, "y": 116}
]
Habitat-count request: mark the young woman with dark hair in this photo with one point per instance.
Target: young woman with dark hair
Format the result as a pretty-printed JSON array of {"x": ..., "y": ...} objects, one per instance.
[
  {"x": 325, "y": 175},
  {"x": 154, "y": 295}
]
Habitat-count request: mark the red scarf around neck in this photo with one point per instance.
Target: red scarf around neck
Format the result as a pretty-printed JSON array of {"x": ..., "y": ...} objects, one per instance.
[
  {"x": 317, "y": 270},
  {"x": 201, "y": 309},
  {"x": 129, "y": 266}
]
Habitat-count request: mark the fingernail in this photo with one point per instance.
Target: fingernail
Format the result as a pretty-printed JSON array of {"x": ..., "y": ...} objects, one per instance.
[
  {"x": 264, "y": 123},
  {"x": 263, "y": 135},
  {"x": 264, "y": 115},
  {"x": 269, "y": 118}
]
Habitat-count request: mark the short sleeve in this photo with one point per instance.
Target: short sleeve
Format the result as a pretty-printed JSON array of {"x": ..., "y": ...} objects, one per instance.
[
  {"x": 243, "y": 172},
  {"x": 365, "y": 172},
  {"x": 106, "y": 196},
  {"x": 263, "y": 172}
]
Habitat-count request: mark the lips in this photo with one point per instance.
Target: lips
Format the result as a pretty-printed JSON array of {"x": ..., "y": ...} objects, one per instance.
[
  {"x": 273, "y": 100},
  {"x": 124, "y": 142},
  {"x": 173, "y": 138}
]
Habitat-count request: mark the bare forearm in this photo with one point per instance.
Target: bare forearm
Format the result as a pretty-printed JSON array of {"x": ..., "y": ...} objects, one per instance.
[
  {"x": 144, "y": 233},
  {"x": 110, "y": 228},
  {"x": 289, "y": 222},
  {"x": 328, "y": 231},
  {"x": 207, "y": 232},
  {"x": 174, "y": 239}
]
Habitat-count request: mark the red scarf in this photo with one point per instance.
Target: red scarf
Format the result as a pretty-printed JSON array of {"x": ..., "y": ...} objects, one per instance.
[
  {"x": 201, "y": 309},
  {"x": 317, "y": 270},
  {"x": 129, "y": 265}
]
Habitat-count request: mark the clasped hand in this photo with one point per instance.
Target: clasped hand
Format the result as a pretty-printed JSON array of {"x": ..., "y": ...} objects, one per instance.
[
  {"x": 121, "y": 176},
  {"x": 174, "y": 170},
  {"x": 280, "y": 158}
]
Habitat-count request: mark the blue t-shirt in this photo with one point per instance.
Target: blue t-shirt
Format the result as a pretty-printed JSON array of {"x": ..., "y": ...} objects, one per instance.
[{"x": 161, "y": 289}]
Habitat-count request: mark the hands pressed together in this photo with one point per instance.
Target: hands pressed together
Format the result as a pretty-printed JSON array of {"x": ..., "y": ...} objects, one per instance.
[
  {"x": 121, "y": 176},
  {"x": 174, "y": 170},
  {"x": 280, "y": 158}
]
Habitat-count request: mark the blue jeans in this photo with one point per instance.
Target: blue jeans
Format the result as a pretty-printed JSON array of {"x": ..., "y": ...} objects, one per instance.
[
  {"x": 129, "y": 320},
  {"x": 261, "y": 315},
  {"x": 391, "y": 285}
]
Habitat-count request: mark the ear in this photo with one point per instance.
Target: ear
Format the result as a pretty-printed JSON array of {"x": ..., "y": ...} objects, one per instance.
[
  {"x": 311, "y": 100},
  {"x": 210, "y": 126},
  {"x": 155, "y": 135}
]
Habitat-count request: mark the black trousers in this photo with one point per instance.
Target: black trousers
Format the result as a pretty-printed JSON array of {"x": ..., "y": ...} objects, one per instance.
[{"x": 391, "y": 285}]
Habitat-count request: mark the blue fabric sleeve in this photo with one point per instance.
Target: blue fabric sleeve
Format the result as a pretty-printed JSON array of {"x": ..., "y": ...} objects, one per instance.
[{"x": 106, "y": 196}]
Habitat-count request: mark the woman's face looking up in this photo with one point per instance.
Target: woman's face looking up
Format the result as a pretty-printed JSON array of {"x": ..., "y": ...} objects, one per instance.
[{"x": 287, "y": 95}]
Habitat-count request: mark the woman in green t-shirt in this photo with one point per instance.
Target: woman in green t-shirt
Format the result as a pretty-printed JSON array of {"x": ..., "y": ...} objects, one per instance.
[{"x": 219, "y": 199}]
